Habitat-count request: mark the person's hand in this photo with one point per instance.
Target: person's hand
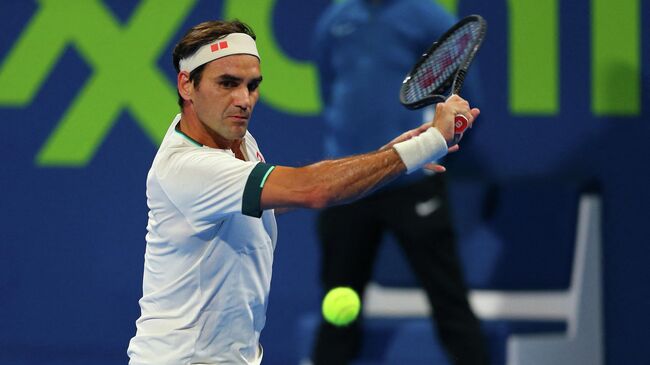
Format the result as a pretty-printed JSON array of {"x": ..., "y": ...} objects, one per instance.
[
  {"x": 446, "y": 113},
  {"x": 407, "y": 135},
  {"x": 436, "y": 167}
]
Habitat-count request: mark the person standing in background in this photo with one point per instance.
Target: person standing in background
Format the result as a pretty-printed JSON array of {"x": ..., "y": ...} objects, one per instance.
[{"x": 363, "y": 50}]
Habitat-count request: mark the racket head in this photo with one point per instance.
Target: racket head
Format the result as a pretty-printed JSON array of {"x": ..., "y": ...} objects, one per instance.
[{"x": 437, "y": 68}]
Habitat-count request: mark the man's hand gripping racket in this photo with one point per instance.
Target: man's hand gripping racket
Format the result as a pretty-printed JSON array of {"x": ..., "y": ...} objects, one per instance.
[{"x": 443, "y": 67}]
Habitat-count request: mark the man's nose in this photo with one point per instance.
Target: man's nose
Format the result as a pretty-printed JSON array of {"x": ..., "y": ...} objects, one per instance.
[{"x": 242, "y": 98}]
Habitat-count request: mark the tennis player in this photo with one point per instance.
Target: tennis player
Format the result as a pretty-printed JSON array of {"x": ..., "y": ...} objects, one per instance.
[{"x": 211, "y": 195}]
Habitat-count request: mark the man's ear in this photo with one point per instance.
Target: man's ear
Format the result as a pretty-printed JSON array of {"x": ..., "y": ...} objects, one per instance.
[{"x": 184, "y": 85}]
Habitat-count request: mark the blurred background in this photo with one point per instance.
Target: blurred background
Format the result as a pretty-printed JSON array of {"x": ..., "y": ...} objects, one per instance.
[{"x": 549, "y": 191}]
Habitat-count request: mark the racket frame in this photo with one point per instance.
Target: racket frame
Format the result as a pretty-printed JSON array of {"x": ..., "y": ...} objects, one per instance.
[{"x": 456, "y": 79}]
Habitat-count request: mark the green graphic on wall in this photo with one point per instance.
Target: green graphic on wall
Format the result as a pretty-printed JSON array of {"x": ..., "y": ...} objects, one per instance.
[
  {"x": 124, "y": 73},
  {"x": 125, "y": 77}
]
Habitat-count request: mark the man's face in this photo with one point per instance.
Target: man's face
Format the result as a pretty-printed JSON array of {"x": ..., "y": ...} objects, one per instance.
[{"x": 226, "y": 95}]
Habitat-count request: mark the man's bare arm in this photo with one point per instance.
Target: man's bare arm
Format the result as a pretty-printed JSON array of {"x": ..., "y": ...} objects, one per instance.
[{"x": 330, "y": 182}]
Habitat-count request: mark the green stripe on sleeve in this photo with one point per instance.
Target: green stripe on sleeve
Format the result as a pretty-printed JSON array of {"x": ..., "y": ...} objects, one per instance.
[
  {"x": 266, "y": 176},
  {"x": 253, "y": 190}
]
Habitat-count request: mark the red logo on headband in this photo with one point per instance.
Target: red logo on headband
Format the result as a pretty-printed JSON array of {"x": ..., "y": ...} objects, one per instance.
[{"x": 217, "y": 46}]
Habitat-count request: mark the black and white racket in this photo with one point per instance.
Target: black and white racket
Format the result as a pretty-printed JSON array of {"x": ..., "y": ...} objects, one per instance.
[{"x": 443, "y": 67}]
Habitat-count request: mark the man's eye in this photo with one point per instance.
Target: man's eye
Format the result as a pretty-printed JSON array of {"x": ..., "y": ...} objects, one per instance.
[
  {"x": 253, "y": 86},
  {"x": 228, "y": 84}
]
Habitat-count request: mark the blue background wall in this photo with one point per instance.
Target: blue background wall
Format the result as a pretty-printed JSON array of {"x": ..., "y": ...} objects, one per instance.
[{"x": 72, "y": 234}]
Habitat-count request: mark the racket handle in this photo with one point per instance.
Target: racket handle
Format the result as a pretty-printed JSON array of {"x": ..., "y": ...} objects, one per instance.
[{"x": 460, "y": 125}]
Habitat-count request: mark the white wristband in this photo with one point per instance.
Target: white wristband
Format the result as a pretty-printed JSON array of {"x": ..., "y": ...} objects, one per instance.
[{"x": 417, "y": 151}]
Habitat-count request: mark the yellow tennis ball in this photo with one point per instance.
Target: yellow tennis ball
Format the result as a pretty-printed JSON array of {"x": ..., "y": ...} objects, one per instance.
[{"x": 341, "y": 306}]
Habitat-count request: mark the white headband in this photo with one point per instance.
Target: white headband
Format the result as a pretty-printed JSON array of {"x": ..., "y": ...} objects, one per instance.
[{"x": 233, "y": 43}]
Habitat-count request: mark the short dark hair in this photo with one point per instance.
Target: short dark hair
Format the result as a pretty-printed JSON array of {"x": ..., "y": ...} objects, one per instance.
[{"x": 202, "y": 34}]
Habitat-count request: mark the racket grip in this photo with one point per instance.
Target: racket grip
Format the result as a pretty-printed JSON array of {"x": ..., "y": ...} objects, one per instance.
[{"x": 460, "y": 125}]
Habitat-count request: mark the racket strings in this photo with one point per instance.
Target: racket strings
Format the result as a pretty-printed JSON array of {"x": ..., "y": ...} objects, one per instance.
[{"x": 435, "y": 73}]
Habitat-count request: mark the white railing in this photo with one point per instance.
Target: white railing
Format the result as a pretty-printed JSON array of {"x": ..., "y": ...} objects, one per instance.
[{"x": 580, "y": 306}]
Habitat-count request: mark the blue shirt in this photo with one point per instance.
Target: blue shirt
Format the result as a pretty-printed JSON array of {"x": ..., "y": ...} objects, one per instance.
[{"x": 363, "y": 52}]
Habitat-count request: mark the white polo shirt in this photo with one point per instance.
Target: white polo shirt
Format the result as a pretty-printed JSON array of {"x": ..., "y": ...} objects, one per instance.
[{"x": 209, "y": 255}]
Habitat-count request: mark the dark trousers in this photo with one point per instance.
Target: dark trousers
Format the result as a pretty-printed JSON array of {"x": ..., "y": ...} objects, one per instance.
[{"x": 350, "y": 235}]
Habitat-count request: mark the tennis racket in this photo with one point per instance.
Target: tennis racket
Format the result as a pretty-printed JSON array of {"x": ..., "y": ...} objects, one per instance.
[{"x": 443, "y": 67}]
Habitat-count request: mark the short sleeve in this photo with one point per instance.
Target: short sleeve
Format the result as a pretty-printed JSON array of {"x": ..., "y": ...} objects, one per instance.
[
  {"x": 207, "y": 185},
  {"x": 253, "y": 189}
]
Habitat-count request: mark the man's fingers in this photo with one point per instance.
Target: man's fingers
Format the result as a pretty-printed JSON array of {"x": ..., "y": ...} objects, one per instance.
[
  {"x": 475, "y": 112},
  {"x": 434, "y": 167},
  {"x": 472, "y": 115}
]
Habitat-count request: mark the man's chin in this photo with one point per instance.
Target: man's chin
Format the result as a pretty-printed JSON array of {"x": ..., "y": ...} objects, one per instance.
[{"x": 239, "y": 132}]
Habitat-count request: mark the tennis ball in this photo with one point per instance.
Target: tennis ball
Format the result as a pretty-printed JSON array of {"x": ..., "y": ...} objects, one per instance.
[{"x": 341, "y": 306}]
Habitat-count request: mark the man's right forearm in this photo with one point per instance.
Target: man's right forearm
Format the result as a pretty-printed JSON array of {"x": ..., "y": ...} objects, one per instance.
[
  {"x": 330, "y": 182},
  {"x": 333, "y": 182}
]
